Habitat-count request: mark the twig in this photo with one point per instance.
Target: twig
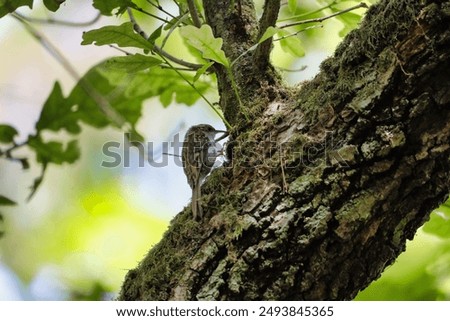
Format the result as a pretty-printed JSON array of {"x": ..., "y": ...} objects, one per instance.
[
  {"x": 121, "y": 50},
  {"x": 179, "y": 68},
  {"x": 176, "y": 60},
  {"x": 169, "y": 154},
  {"x": 297, "y": 32},
  {"x": 198, "y": 92},
  {"x": 174, "y": 26},
  {"x": 37, "y": 182},
  {"x": 15, "y": 146},
  {"x": 157, "y": 49},
  {"x": 179, "y": 7},
  {"x": 301, "y": 68},
  {"x": 361, "y": 5},
  {"x": 309, "y": 13},
  {"x": 150, "y": 14},
  {"x": 159, "y": 7},
  {"x": 8, "y": 155},
  {"x": 194, "y": 13},
  {"x": 136, "y": 26},
  {"x": 52, "y": 21}
]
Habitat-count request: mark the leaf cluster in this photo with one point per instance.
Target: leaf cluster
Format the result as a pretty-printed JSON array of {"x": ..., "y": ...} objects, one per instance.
[{"x": 109, "y": 94}]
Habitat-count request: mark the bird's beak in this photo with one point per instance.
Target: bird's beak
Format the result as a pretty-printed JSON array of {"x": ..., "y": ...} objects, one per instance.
[{"x": 224, "y": 135}]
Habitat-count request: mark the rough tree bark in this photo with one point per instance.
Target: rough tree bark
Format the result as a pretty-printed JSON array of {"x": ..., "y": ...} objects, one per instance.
[{"x": 328, "y": 180}]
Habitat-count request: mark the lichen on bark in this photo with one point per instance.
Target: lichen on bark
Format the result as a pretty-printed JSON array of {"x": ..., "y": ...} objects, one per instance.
[{"x": 364, "y": 158}]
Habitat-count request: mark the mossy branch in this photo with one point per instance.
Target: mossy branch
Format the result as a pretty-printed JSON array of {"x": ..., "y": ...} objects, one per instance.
[
  {"x": 268, "y": 19},
  {"x": 321, "y": 225}
]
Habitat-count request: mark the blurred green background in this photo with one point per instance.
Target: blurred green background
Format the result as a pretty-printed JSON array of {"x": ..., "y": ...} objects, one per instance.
[{"x": 88, "y": 225}]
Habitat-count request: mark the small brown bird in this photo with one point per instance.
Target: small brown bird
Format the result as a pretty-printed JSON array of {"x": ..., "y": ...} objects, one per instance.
[{"x": 198, "y": 156}]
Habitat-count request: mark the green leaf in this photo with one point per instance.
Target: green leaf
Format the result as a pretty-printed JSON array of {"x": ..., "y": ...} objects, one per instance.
[
  {"x": 350, "y": 21},
  {"x": 203, "y": 40},
  {"x": 291, "y": 44},
  {"x": 132, "y": 63},
  {"x": 165, "y": 84},
  {"x": 177, "y": 20},
  {"x": 103, "y": 82},
  {"x": 134, "y": 138},
  {"x": 155, "y": 35},
  {"x": 439, "y": 223},
  {"x": 1, "y": 232},
  {"x": 185, "y": 94},
  {"x": 37, "y": 181},
  {"x": 106, "y": 7},
  {"x": 7, "y": 134},
  {"x": 8, "y": 6},
  {"x": 270, "y": 32},
  {"x": 292, "y": 5},
  {"x": 166, "y": 97},
  {"x": 82, "y": 104},
  {"x": 54, "y": 152},
  {"x": 123, "y": 35},
  {"x": 57, "y": 113},
  {"x": 4, "y": 201},
  {"x": 202, "y": 70},
  {"x": 123, "y": 91},
  {"x": 53, "y": 5}
]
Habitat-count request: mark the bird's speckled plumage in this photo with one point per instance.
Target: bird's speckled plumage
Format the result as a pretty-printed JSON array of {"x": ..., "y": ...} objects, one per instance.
[{"x": 198, "y": 157}]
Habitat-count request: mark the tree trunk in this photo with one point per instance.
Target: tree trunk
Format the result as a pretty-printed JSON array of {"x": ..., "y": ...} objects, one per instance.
[{"x": 328, "y": 180}]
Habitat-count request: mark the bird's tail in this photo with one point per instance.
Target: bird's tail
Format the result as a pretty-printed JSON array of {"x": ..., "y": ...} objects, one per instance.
[{"x": 196, "y": 208}]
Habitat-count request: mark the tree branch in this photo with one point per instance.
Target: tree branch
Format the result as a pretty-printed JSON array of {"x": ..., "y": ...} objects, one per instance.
[
  {"x": 268, "y": 19},
  {"x": 194, "y": 13},
  {"x": 157, "y": 49},
  {"x": 239, "y": 32},
  {"x": 366, "y": 158},
  {"x": 51, "y": 21},
  {"x": 176, "y": 60}
]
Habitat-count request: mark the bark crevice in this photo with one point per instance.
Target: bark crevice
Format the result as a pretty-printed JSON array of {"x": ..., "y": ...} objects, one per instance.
[{"x": 329, "y": 181}]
